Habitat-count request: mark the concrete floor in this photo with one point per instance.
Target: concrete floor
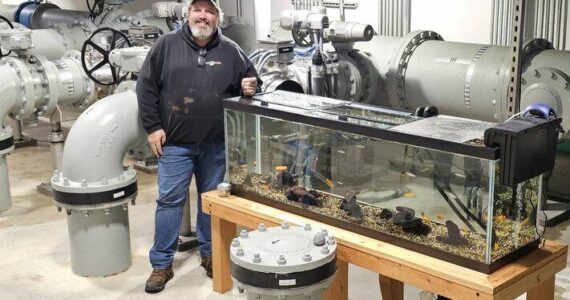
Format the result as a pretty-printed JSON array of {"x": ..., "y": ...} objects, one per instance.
[{"x": 34, "y": 251}]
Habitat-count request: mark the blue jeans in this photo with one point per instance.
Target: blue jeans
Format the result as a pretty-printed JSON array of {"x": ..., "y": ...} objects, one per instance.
[{"x": 175, "y": 168}]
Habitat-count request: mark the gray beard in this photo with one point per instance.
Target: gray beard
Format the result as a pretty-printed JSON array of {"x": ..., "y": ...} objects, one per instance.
[{"x": 201, "y": 34}]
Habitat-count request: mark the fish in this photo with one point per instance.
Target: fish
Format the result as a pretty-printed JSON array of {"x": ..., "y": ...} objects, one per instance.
[
  {"x": 497, "y": 246},
  {"x": 425, "y": 218},
  {"x": 410, "y": 195},
  {"x": 500, "y": 219}
]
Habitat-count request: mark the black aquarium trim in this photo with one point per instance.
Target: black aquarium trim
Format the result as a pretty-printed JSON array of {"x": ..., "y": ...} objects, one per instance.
[
  {"x": 439, "y": 254},
  {"x": 254, "y": 107}
]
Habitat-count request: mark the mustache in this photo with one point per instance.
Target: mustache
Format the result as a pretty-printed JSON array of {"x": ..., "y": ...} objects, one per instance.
[{"x": 202, "y": 21}]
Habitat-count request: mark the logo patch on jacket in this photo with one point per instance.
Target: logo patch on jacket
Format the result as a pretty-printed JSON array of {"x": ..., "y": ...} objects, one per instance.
[{"x": 212, "y": 63}]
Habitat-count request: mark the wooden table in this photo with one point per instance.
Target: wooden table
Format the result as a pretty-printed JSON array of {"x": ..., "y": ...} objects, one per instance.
[{"x": 533, "y": 273}]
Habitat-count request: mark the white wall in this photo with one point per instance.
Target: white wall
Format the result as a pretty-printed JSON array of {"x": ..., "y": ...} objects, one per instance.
[{"x": 456, "y": 20}]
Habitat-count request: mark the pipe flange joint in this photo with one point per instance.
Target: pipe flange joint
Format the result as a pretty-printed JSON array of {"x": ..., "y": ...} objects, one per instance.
[
  {"x": 56, "y": 136},
  {"x": 84, "y": 195},
  {"x": 47, "y": 72},
  {"x": 410, "y": 43},
  {"x": 26, "y": 89},
  {"x": 37, "y": 15},
  {"x": 6, "y": 140}
]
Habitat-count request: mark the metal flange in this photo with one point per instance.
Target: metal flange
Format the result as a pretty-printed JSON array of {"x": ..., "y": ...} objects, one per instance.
[
  {"x": 398, "y": 67},
  {"x": 283, "y": 258},
  {"x": 26, "y": 90},
  {"x": 83, "y": 195}
]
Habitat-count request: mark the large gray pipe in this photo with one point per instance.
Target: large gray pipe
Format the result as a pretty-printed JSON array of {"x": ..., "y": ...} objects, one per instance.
[
  {"x": 94, "y": 188},
  {"x": 8, "y": 102},
  {"x": 467, "y": 80}
]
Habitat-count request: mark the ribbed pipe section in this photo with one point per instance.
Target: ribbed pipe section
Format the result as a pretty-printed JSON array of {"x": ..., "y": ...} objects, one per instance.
[
  {"x": 395, "y": 17},
  {"x": 551, "y": 21},
  {"x": 544, "y": 19}
]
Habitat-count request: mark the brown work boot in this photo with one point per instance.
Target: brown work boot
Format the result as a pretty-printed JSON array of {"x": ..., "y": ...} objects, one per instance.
[
  {"x": 158, "y": 279},
  {"x": 207, "y": 265}
]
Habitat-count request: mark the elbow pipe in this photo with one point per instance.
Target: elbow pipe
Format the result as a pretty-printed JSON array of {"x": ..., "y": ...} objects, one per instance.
[
  {"x": 94, "y": 188},
  {"x": 8, "y": 102},
  {"x": 92, "y": 174}
]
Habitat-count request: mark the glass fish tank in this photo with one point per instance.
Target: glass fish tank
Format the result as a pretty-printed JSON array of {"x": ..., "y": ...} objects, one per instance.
[{"x": 430, "y": 184}]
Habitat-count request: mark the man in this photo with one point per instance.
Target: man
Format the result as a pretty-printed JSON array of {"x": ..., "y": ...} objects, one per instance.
[{"x": 180, "y": 90}]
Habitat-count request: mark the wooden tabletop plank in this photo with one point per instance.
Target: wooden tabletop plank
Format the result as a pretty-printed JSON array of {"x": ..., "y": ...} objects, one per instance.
[{"x": 403, "y": 261}]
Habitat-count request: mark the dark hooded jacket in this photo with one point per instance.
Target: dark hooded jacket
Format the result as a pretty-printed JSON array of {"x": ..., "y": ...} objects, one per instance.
[{"x": 176, "y": 94}]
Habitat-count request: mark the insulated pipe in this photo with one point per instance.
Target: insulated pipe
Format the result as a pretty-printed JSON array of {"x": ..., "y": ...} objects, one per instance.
[
  {"x": 94, "y": 188},
  {"x": 467, "y": 80},
  {"x": 8, "y": 102}
]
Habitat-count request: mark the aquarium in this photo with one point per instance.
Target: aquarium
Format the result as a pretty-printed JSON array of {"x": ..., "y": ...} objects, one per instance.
[{"x": 426, "y": 184}]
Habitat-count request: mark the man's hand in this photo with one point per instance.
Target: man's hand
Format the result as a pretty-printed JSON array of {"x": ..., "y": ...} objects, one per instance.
[
  {"x": 156, "y": 140},
  {"x": 249, "y": 86}
]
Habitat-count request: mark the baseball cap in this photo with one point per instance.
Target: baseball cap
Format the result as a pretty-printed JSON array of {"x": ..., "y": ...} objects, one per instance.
[{"x": 213, "y": 2}]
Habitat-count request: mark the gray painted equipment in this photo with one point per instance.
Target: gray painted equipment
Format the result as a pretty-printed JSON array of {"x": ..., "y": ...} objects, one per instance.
[
  {"x": 94, "y": 188},
  {"x": 9, "y": 99},
  {"x": 467, "y": 80},
  {"x": 287, "y": 262},
  {"x": 33, "y": 86}
]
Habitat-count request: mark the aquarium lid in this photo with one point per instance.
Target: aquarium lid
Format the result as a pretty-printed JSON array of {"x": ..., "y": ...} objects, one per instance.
[{"x": 447, "y": 128}]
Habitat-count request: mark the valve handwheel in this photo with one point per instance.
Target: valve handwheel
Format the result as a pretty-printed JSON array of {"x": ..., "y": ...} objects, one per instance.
[
  {"x": 96, "y": 8},
  {"x": 2, "y": 54},
  {"x": 118, "y": 40},
  {"x": 303, "y": 37}
]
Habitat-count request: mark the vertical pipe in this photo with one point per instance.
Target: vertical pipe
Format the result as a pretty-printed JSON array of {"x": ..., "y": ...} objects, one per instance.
[
  {"x": 500, "y": 22},
  {"x": 391, "y": 23},
  {"x": 564, "y": 21},
  {"x": 408, "y": 16},
  {"x": 381, "y": 17},
  {"x": 545, "y": 27},
  {"x": 556, "y": 24},
  {"x": 508, "y": 22},
  {"x": 388, "y": 10},
  {"x": 341, "y": 10},
  {"x": 493, "y": 21},
  {"x": 535, "y": 22},
  {"x": 16, "y": 128},
  {"x": 5, "y": 200},
  {"x": 540, "y": 22},
  {"x": 384, "y": 17},
  {"x": 397, "y": 17}
]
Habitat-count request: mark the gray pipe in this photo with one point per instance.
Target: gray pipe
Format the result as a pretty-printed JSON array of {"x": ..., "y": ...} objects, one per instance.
[
  {"x": 51, "y": 17},
  {"x": 540, "y": 24},
  {"x": 407, "y": 17},
  {"x": 564, "y": 21},
  {"x": 93, "y": 163},
  {"x": 9, "y": 102},
  {"x": 437, "y": 74},
  {"x": 5, "y": 198},
  {"x": 556, "y": 24}
]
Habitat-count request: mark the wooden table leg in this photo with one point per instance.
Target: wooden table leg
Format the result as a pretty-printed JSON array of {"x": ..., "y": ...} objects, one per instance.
[
  {"x": 339, "y": 286},
  {"x": 391, "y": 289},
  {"x": 543, "y": 291},
  {"x": 222, "y": 234}
]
